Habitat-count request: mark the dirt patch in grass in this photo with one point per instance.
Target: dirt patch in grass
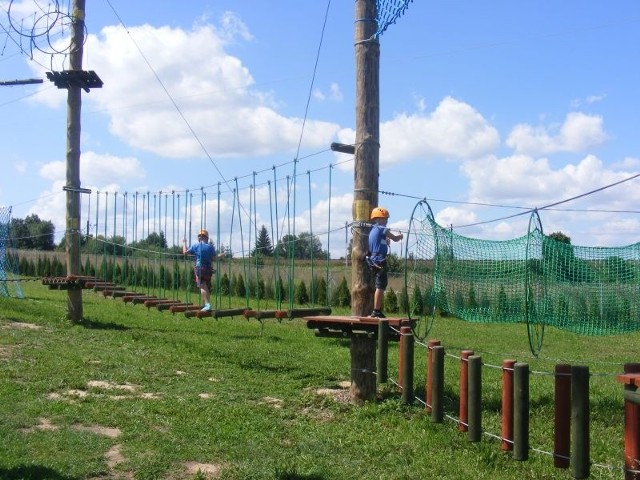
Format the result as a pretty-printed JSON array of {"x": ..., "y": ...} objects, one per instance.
[
  {"x": 22, "y": 325},
  {"x": 98, "y": 430},
  {"x": 340, "y": 392},
  {"x": 6, "y": 351},
  {"x": 274, "y": 402},
  {"x": 95, "y": 386},
  {"x": 44, "y": 425},
  {"x": 208, "y": 470}
]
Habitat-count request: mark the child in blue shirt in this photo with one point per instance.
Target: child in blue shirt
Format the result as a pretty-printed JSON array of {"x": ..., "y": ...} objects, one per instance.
[
  {"x": 205, "y": 254},
  {"x": 379, "y": 238}
]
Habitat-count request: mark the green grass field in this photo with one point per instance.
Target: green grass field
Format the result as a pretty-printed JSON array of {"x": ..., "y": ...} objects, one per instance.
[{"x": 138, "y": 394}]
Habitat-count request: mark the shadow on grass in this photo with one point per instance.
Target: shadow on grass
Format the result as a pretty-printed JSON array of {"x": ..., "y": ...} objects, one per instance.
[
  {"x": 88, "y": 323},
  {"x": 22, "y": 472}
]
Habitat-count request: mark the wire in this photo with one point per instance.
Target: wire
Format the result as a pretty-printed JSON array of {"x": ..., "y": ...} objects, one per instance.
[{"x": 174, "y": 103}]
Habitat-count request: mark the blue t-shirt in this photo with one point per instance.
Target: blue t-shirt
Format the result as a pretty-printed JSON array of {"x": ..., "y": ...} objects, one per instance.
[
  {"x": 204, "y": 253},
  {"x": 378, "y": 246}
]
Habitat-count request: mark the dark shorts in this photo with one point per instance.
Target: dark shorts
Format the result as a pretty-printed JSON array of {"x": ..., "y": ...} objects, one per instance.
[
  {"x": 381, "y": 279},
  {"x": 203, "y": 276}
]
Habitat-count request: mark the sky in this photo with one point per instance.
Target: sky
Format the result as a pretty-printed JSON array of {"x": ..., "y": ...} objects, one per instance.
[{"x": 487, "y": 110}]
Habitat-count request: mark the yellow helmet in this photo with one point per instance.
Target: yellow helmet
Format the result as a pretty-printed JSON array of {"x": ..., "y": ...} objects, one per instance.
[
  {"x": 379, "y": 212},
  {"x": 203, "y": 233}
]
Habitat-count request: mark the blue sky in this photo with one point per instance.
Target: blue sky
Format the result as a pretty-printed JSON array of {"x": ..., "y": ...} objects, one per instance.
[{"x": 509, "y": 104}]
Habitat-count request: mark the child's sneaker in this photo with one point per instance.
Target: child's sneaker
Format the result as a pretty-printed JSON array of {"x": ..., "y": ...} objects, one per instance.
[
  {"x": 206, "y": 308},
  {"x": 377, "y": 314}
]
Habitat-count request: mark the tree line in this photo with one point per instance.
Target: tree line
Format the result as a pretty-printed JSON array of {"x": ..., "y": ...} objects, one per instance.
[{"x": 33, "y": 233}]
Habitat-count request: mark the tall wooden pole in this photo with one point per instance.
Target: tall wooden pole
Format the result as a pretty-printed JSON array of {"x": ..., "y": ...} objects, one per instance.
[
  {"x": 74, "y": 107},
  {"x": 365, "y": 192}
]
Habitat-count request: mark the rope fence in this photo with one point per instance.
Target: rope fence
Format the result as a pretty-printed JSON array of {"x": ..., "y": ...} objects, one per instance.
[{"x": 571, "y": 403}]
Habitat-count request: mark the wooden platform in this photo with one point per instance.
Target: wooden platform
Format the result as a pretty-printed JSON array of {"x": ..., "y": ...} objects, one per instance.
[{"x": 346, "y": 326}]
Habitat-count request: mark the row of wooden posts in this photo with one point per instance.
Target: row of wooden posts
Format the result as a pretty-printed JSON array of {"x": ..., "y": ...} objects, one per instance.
[{"x": 571, "y": 416}]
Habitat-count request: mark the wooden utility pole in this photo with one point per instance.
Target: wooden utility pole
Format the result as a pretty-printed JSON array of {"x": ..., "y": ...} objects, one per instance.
[
  {"x": 74, "y": 107},
  {"x": 365, "y": 192}
]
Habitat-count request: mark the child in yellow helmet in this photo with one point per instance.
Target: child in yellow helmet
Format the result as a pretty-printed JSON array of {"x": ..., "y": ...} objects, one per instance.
[
  {"x": 205, "y": 254},
  {"x": 379, "y": 238}
]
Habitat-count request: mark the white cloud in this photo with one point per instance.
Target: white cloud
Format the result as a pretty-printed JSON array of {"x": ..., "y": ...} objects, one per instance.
[
  {"x": 453, "y": 131},
  {"x": 579, "y": 132},
  {"x": 97, "y": 169},
  {"x": 211, "y": 89},
  {"x": 455, "y": 216},
  {"x": 334, "y": 93},
  {"x": 521, "y": 180}
]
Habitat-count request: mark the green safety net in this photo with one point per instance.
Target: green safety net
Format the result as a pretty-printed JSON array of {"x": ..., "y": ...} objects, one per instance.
[
  {"x": 534, "y": 279},
  {"x": 9, "y": 274},
  {"x": 388, "y": 12}
]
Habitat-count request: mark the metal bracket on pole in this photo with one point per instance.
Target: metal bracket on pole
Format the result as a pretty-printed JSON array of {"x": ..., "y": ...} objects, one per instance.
[
  {"x": 76, "y": 78},
  {"x": 79, "y": 190}
]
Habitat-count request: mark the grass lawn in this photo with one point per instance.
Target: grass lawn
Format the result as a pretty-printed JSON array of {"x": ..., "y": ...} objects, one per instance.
[{"x": 139, "y": 394}]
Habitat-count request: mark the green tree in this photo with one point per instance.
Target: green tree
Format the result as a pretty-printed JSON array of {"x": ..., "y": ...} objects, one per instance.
[
  {"x": 263, "y": 247},
  {"x": 341, "y": 296},
  {"x": 32, "y": 233},
  {"x": 302, "y": 296},
  {"x": 240, "y": 290},
  {"x": 303, "y": 246},
  {"x": 391, "y": 301}
]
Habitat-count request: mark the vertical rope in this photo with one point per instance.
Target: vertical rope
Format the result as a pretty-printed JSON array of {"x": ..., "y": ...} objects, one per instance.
[
  {"x": 313, "y": 279},
  {"x": 327, "y": 293},
  {"x": 290, "y": 245},
  {"x": 217, "y": 297},
  {"x": 256, "y": 253},
  {"x": 135, "y": 241},
  {"x": 292, "y": 273},
  {"x": 187, "y": 235},
  {"x": 276, "y": 288},
  {"x": 147, "y": 237},
  {"x": 125, "y": 214},
  {"x": 113, "y": 236},
  {"x": 276, "y": 241},
  {"x": 96, "y": 237},
  {"x": 175, "y": 275},
  {"x": 233, "y": 216},
  {"x": 244, "y": 263}
]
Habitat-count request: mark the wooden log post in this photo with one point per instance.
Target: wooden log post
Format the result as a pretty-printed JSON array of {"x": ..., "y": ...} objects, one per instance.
[
  {"x": 463, "y": 406},
  {"x": 363, "y": 364},
  {"x": 507, "y": 405},
  {"x": 428, "y": 393},
  {"x": 562, "y": 416},
  {"x": 383, "y": 350},
  {"x": 580, "y": 463},
  {"x": 365, "y": 185},
  {"x": 404, "y": 331},
  {"x": 437, "y": 398},
  {"x": 520, "y": 411},
  {"x": 631, "y": 381},
  {"x": 407, "y": 366},
  {"x": 475, "y": 398}
]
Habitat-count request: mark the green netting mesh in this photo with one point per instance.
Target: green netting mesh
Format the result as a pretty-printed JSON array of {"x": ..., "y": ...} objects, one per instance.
[
  {"x": 9, "y": 275},
  {"x": 388, "y": 12},
  {"x": 534, "y": 279}
]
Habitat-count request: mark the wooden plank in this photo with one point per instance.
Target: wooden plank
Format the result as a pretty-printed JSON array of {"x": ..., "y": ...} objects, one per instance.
[
  {"x": 184, "y": 308},
  {"x": 346, "y": 326},
  {"x": 342, "y": 320}
]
